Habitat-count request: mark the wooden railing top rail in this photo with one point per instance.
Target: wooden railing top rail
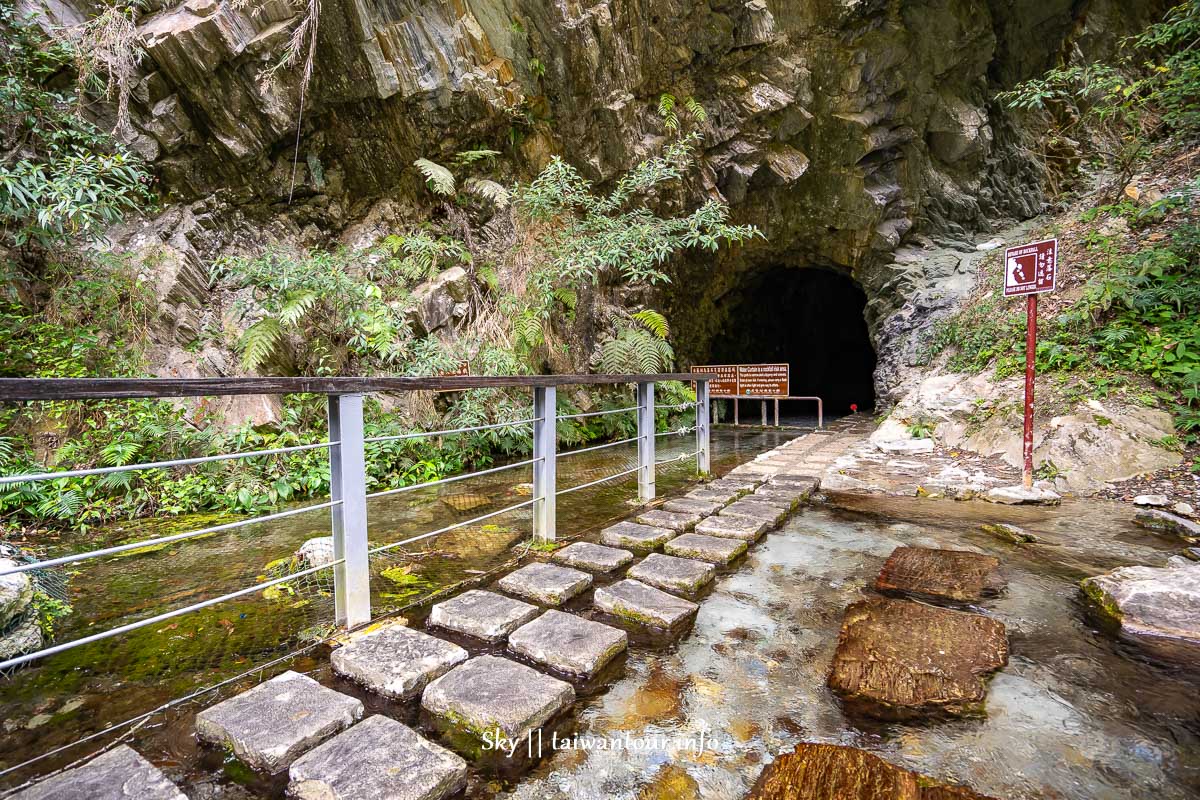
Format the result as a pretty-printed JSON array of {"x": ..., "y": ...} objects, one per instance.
[{"x": 20, "y": 389}]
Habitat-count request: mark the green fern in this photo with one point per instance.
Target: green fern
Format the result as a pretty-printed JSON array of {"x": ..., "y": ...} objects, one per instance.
[
  {"x": 491, "y": 279},
  {"x": 296, "y": 305},
  {"x": 567, "y": 296},
  {"x": 696, "y": 110},
  {"x": 655, "y": 322},
  {"x": 437, "y": 178},
  {"x": 528, "y": 329},
  {"x": 666, "y": 110},
  {"x": 259, "y": 342},
  {"x": 471, "y": 156},
  {"x": 489, "y": 190}
]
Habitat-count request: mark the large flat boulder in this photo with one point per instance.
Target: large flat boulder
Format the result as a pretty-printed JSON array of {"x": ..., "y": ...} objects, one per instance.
[
  {"x": 1150, "y": 601},
  {"x": 119, "y": 774},
  {"x": 898, "y": 660},
  {"x": 548, "y": 584},
  {"x": 269, "y": 726},
  {"x": 637, "y": 537},
  {"x": 377, "y": 759},
  {"x": 395, "y": 661},
  {"x": 770, "y": 513},
  {"x": 489, "y": 694},
  {"x": 568, "y": 643},
  {"x": 940, "y": 574},
  {"x": 483, "y": 615},
  {"x": 635, "y": 602},
  {"x": 834, "y": 772}
]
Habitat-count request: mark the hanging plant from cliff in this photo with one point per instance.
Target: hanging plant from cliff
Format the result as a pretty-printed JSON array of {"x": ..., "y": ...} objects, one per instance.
[
  {"x": 441, "y": 181},
  {"x": 617, "y": 234}
]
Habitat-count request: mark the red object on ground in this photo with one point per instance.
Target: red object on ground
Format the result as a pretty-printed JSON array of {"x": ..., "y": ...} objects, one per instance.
[{"x": 1030, "y": 364}]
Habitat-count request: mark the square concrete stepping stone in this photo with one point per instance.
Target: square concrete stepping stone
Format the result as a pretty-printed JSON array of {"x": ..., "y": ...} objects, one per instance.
[
  {"x": 639, "y": 538},
  {"x": 771, "y": 513},
  {"x": 714, "y": 549},
  {"x": 489, "y": 694},
  {"x": 395, "y": 661},
  {"x": 545, "y": 583},
  {"x": 805, "y": 483},
  {"x": 671, "y": 520},
  {"x": 940, "y": 574},
  {"x": 269, "y": 726},
  {"x": 568, "y": 643},
  {"x": 780, "y": 495},
  {"x": 634, "y": 601},
  {"x": 119, "y": 774},
  {"x": 681, "y": 575},
  {"x": 484, "y": 615},
  {"x": 690, "y": 505},
  {"x": 732, "y": 484},
  {"x": 592, "y": 557},
  {"x": 748, "y": 529},
  {"x": 378, "y": 759},
  {"x": 712, "y": 495}
]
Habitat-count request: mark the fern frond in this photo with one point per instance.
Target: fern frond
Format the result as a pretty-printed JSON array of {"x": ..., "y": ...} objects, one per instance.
[
  {"x": 696, "y": 110},
  {"x": 437, "y": 178},
  {"x": 487, "y": 273},
  {"x": 567, "y": 296},
  {"x": 259, "y": 342},
  {"x": 471, "y": 156},
  {"x": 528, "y": 328},
  {"x": 489, "y": 190},
  {"x": 666, "y": 110},
  {"x": 655, "y": 322},
  {"x": 295, "y": 305}
]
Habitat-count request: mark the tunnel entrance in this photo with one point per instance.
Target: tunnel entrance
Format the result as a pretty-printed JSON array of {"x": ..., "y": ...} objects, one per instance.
[{"x": 813, "y": 320}]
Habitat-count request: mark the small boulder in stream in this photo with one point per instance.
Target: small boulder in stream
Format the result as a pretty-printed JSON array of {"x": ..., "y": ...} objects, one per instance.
[
  {"x": 898, "y": 660},
  {"x": 1161, "y": 521},
  {"x": 929, "y": 574},
  {"x": 834, "y": 772},
  {"x": 1158, "y": 602}
]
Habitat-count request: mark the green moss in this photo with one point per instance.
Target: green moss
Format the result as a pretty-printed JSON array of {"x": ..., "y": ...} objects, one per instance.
[
  {"x": 1102, "y": 601},
  {"x": 634, "y": 616}
]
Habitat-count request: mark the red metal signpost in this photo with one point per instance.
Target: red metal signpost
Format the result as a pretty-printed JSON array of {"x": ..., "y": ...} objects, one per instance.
[{"x": 1030, "y": 270}]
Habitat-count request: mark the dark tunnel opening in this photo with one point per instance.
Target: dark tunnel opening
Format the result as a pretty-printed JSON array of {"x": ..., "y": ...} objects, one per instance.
[{"x": 813, "y": 320}]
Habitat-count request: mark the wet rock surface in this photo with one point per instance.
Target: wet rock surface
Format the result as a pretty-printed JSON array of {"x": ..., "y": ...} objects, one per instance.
[
  {"x": 592, "y": 557},
  {"x": 1165, "y": 522},
  {"x": 1150, "y": 601},
  {"x": 636, "y": 603},
  {"x": 898, "y": 659},
  {"x": 484, "y": 615},
  {"x": 119, "y": 774},
  {"x": 545, "y": 583},
  {"x": 395, "y": 661},
  {"x": 748, "y": 529},
  {"x": 680, "y": 575},
  {"x": 832, "y": 772},
  {"x": 377, "y": 759},
  {"x": 715, "y": 549},
  {"x": 639, "y": 538},
  {"x": 568, "y": 643},
  {"x": 930, "y": 574},
  {"x": 671, "y": 520},
  {"x": 269, "y": 726}
]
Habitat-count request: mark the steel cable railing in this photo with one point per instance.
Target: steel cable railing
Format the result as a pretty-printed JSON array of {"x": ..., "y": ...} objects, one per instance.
[
  {"x": 448, "y": 432},
  {"x": 594, "y": 448},
  {"x": 597, "y": 481},
  {"x": 598, "y": 413},
  {"x": 448, "y": 528},
  {"x": 443, "y": 481}
]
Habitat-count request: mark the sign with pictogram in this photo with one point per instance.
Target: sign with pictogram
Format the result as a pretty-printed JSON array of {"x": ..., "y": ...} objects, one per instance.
[
  {"x": 748, "y": 380},
  {"x": 1031, "y": 268}
]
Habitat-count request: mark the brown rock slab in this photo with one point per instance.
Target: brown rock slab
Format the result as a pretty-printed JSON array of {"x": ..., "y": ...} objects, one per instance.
[
  {"x": 940, "y": 574},
  {"x": 897, "y": 659},
  {"x": 835, "y": 772}
]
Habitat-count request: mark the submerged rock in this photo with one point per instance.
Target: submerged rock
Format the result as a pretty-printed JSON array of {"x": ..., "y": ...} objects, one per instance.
[
  {"x": 940, "y": 574},
  {"x": 834, "y": 772},
  {"x": 897, "y": 659},
  {"x": 1150, "y": 601},
  {"x": 1009, "y": 533},
  {"x": 1166, "y": 522},
  {"x": 316, "y": 552}
]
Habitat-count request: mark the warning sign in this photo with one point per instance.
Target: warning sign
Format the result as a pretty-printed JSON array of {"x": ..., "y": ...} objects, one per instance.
[
  {"x": 748, "y": 380},
  {"x": 1031, "y": 268}
]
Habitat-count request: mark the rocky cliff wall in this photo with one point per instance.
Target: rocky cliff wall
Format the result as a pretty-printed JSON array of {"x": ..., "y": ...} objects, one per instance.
[{"x": 860, "y": 135}]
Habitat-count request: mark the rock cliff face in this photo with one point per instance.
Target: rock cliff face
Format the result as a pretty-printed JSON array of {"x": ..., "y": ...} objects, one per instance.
[{"x": 856, "y": 133}]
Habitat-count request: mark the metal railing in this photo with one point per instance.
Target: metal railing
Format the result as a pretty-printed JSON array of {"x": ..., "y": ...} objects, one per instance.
[
  {"x": 769, "y": 398},
  {"x": 346, "y": 446}
]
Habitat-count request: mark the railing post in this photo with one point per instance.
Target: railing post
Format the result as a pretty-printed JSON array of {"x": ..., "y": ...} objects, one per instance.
[
  {"x": 702, "y": 426},
  {"x": 348, "y": 484},
  {"x": 545, "y": 469},
  {"x": 645, "y": 432}
]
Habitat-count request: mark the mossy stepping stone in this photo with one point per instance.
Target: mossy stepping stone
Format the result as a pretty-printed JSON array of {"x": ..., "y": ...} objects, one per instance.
[
  {"x": 690, "y": 505},
  {"x": 771, "y": 513},
  {"x": 484, "y": 615},
  {"x": 638, "y": 603},
  {"x": 639, "y": 538},
  {"x": 119, "y": 774},
  {"x": 673, "y": 574},
  {"x": 592, "y": 557},
  {"x": 395, "y": 661},
  {"x": 748, "y": 529},
  {"x": 714, "y": 549},
  {"x": 671, "y": 520},
  {"x": 568, "y": 643},
  {"x": 547, "y": 584}
]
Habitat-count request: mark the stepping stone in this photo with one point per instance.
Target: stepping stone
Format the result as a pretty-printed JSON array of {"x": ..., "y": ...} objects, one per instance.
[
  {"x": 940, "y": 574},
  {"x": 484, "y": 615},
  {"x": 593, "y": 557},
  {"x": 731, "y": 484},
  {"x": 639, "y": 538},
  {"x": 644, "y": 605},
  {"x": 669, "y": 519},
  {"x": 395, "y": 661},
  {"x": 681, "y": 575},
  {"x": 377, "y": 759},
  {"x": 712, "y": 495},
  {"x": 489, "y": 694},
  {"x": 747, "y": 529},
  {"x": 771, "y": 513},
  {"x": 545, "y": 583},
  {"x": 270, "y": 725},
  {"x": 779, "y": 496},
  {"x": 714, "y": 549},
  {"x": 899, "y": 660},
  {"x": 568, "y": 643},
  {"x": 690, "y": 505},
  {"x": 119, "y": 774}
]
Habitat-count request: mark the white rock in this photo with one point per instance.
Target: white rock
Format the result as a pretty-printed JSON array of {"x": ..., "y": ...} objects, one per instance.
[
  {"x": 1019, "y": 495},
  {"x": 1184, "y": 509},
  {"x": 317, "y": 551},
  {"x": 1151, "y": 500},
  {"x": 1150, "y": 600}
]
